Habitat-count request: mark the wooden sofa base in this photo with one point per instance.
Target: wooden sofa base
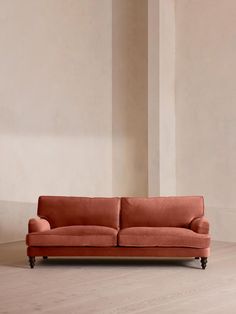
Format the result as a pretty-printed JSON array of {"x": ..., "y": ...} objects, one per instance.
[{"x": 34, "y": 251}]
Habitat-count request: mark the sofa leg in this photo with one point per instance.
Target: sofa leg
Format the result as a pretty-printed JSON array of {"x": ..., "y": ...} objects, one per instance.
[
  {"x": 45, "y": 257},
  {"x": 32, "y": 261},
  {"x": 204, "y": 262}
]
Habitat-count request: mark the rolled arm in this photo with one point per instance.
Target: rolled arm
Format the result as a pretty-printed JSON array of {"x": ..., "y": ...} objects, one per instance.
[
  {"x": 200, "y": 225},
  {"x": 38, "y": 225}
]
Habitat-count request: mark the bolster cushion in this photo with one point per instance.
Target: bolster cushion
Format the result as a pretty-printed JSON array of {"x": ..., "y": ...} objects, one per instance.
[
  {"x": 38, "y": 225},
  {"x": 200, "y": 225}
]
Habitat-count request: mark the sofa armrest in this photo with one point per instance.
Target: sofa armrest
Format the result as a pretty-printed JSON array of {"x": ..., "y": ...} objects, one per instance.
[
  {"x": 38, "y": 225},
  {"x": 200, "y": 225}
]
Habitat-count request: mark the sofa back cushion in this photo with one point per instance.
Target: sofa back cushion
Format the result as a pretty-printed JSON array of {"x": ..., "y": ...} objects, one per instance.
[
  {"x": 160, "y": 211},
  {"x": 67, "y": 211}
]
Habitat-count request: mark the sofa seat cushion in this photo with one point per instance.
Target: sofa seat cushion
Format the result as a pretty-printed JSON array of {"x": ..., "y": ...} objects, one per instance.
[
  {"x": 74, "y": 236},
  {"x": 162, "y": 237}
]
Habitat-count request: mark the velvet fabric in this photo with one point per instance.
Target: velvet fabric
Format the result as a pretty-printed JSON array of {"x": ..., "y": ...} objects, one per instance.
[
  {"x": 38, "y": 225},
  {"x": 162, "y": 237},
  {"x": 74, "y": 236},
  {"x": 126, "y": 227},
  {"x": 200, "y": 225},
  {"x": 160, "y": 211},
  {"x": 62, "y": 211}
]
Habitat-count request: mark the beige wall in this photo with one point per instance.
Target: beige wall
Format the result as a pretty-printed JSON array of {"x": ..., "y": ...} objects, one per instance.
[
  {"x": 153, "y": 99},
  {"x": 55, "y": 104},
  {"x": 205, "y": 108},
  {"x": 161, "y": 98},
  {"x": 73, "y": 114},
  {"x": 130, "y": 97},
  {"x": 167, "y": 97}
]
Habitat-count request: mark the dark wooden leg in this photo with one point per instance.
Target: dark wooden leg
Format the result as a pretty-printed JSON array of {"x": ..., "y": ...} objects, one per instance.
[
  {"x": 45, "y": 257},
  {"x": 32, "y": 261},
  {"x": 204, "y": 262},
  {"x": 196, "y": 257}
]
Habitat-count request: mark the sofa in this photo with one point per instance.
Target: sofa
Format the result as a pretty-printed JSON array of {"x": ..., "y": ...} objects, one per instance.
[{"x": 124, "y": 227}]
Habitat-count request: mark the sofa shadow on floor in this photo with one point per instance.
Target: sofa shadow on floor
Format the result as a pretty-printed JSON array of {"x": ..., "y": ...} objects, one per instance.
[
  {"x": 121, "y": 262},
  {"x": 108, "y": 263}
]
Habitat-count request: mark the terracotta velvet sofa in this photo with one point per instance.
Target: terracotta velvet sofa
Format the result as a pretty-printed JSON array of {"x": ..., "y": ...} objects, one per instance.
[{"x": 127, "y": 226}]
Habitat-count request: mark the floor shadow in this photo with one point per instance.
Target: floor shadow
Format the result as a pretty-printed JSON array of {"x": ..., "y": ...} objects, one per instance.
[{"x": 120, "y": 262}]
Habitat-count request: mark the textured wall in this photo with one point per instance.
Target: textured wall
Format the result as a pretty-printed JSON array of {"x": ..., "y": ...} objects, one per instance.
[
  {"x": 167, "y": 149},
  {"x": 55, "y": 104},
  {"x": 153, "y": 98},
  {"x": 130, "y": 97},
  {"x": 205, "y": 108},
  {"x": 73, "y": 103}
]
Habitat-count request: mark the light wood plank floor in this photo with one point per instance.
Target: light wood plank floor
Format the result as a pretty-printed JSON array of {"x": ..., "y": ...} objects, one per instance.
[{"x": 117, "y": 286}]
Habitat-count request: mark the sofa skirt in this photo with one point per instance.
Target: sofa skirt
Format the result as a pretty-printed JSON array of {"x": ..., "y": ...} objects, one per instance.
[{"x": 117, "y": 251}]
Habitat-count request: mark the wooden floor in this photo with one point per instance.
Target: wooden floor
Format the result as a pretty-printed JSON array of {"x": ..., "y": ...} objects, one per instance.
[{"x": 117, "y": 286}]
